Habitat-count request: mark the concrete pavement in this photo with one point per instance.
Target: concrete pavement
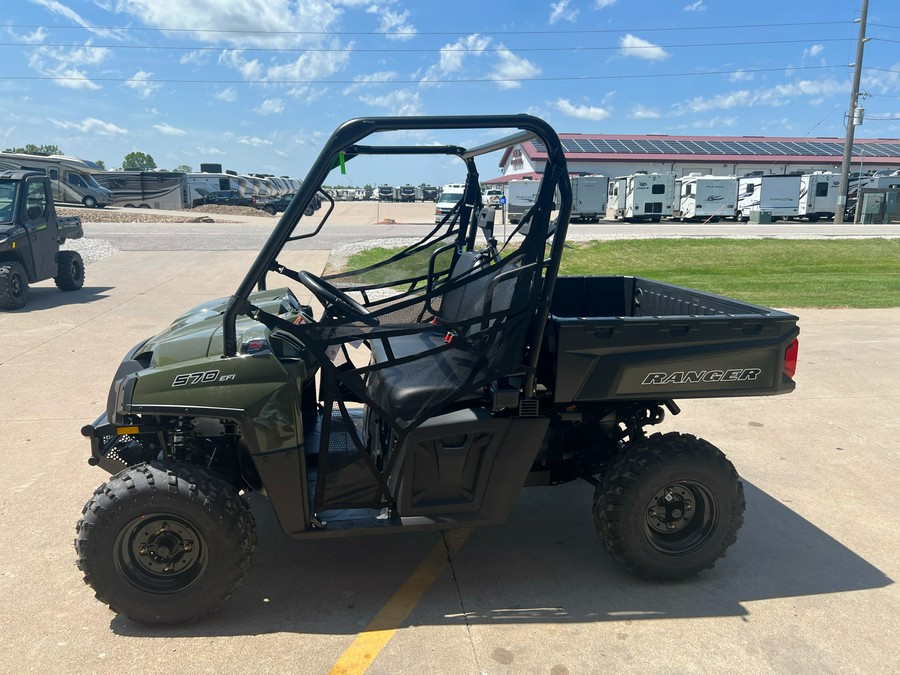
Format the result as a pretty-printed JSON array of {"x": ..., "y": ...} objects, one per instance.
[{"x": 808, "y": 587}]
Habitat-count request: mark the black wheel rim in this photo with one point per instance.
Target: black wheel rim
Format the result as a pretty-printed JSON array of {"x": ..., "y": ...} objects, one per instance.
[
  {"x": 77, "y": 271},
  {"x": 680, "y": 518},
  {"x": 17, "y": 286},
  {"x": 160, "y": 554}
]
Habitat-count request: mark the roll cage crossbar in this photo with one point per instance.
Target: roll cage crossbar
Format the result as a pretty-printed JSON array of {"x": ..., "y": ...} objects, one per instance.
[{"x": 344, "y": 143}]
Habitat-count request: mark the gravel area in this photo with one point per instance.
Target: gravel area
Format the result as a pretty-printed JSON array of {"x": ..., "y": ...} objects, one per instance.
[{"x": 201, "y": 214}]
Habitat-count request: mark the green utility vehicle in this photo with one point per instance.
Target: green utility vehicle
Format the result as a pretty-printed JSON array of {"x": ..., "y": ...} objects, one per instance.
[
  {"x": 429, "y": 390},
  {"x": 30, "y": 237}
]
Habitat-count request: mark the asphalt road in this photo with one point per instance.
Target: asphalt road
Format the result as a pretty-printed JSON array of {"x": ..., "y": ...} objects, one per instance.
[{"x": 808, "y": 587}]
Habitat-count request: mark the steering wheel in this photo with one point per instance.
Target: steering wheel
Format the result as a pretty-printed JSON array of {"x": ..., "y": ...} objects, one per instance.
[{"x": 334, "y": 298}]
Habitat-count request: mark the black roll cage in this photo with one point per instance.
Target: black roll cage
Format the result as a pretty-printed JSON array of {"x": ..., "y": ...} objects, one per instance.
[{"x": 344, "y": 143}]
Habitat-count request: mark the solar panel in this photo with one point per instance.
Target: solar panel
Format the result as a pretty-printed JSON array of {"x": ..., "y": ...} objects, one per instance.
[{"x": 743, "y": 146}]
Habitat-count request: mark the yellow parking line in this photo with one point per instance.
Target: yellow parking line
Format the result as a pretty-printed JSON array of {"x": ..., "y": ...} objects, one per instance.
[{"x": 373, "y": 638}]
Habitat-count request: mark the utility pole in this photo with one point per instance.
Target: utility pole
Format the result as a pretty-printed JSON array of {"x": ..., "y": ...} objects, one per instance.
[{"x": 851, "y": 116}]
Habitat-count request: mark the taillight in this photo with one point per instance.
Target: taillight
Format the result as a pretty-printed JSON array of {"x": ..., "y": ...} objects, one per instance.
[{"x": 790, "y": 358}]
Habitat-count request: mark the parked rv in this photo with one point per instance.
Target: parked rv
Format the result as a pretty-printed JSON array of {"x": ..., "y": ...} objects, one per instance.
[
  {"x": 406, "y": 193},
  {"x": 775, "y": 193},
  {"x": 387, "y": 193},
  {"x": 71, "y": 179},
  {"x": 430, "y": 193},
  {"x": 641, "y": 196},
  {"x": 818, "y": 195},
  {"x": 705, "y": 197},
  {"x": 520, "y": 196},
  {"x": 198, "y": 185},
  {"x": 589, "y": 197},
  {"x": 145, "y": 189}
]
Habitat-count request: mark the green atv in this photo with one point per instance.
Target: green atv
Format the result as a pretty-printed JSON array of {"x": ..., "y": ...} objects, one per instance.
[
  {"x": 427, "y": 391},
  {"x": 30, "y": 237}
]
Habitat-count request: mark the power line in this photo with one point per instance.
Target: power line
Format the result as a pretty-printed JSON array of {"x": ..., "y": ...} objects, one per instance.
[
  {"x": 246, "y": 31},
  {"x": 628, "y": 76},
  {"x": 434, "y": 51}
]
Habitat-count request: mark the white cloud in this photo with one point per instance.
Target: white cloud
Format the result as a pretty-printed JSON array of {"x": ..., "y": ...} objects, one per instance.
[
  {"x": 811, "y": 92},
  {"x": 393, "y": 24},
  {"x": 454, "y": 55},
  {"x": 740, "y": 76},
  {"x": 254, "y": 140},
  {"x": 70, "y": 14},
  {"x": 271, "y": 106},
  {"x": 63, "y": 65},
  {"x": 815, "y": 50},
  {"x": 197, "y": 57},
  {"x": 91, "y": 126},
  {"x": 512, "y": 68},
  {"x": 35, "y": 38},
  {"x": 142, "y": 85},
  {"x": 562, "y": 11},
  {"x": 631, "y": 45},
  {"x": 715, "y": 122},
  {"x": 397, "y": 102},
  {"x": 363, "y": 81},
  {"x": 583, "y": 112},
  {"x": 169, "y": 130},
  {"x": 209, "y": 151},
  {"x": 229, "y": 94},
  {"x": 640, "y": 112},
  {"x": 697, "y": 6},
  {"x": 603, "y": 4}
]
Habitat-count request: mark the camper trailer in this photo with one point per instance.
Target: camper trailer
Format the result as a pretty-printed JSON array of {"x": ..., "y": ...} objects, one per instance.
[
  {"x": 641, "y": 196},
  {"x": 406, "y": 193},
  {"x": 818, "y": 195},
  {"x": 198, "y": 185},
  {"x": 387, "y": 193},
  {"x": 699, "y": 197},
  {"x": 777, "y": 194},
  {"x": 145, "y": 189},
  {"x": 71, "y": 179},
  {"x": 589, "y": 197},
  {"x": 520, "y": 196}
]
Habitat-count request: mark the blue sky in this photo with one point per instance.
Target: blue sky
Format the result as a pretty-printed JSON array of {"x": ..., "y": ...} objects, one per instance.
[{"x": 257, "y": 85}]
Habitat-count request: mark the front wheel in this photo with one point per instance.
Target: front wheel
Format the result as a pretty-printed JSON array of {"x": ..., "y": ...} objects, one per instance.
[
  {"x": 13, "y": 285},
  {"x": 165, "y": 542},
  {"x": 669, "y": 507}
]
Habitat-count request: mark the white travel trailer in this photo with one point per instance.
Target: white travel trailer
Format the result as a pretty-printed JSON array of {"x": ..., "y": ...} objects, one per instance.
[
  {"x": 198, "y": 185},
  {"x": 777, "y": 194},
  {"x": 818, "y": 195},
  {"x": 589, "y": 197},
  {"x": 705, "y": 197},
  {"x": 641, "y": 196},
  {"x": 520, "y": 196},
  {"x": 71, "y": 179}
]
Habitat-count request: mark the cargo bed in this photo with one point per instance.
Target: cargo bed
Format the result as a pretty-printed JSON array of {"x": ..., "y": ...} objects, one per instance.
[{"x": 628, "y": 338}]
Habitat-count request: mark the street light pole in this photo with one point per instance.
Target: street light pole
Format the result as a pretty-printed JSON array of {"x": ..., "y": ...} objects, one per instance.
[{"x": 851, "y": 115}]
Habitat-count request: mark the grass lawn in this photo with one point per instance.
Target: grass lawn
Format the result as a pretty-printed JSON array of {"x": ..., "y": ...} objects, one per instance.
[
  {"x": 773, "y": 272},
  {"x": 862, "y": 273}
]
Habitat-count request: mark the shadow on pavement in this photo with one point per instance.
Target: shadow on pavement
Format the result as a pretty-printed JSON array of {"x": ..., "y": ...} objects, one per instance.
[
  {"x": 546, "y": 565},
  {"x": 49, "y": 297}
]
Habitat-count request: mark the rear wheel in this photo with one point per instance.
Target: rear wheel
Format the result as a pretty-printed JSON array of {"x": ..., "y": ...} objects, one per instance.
[
  {"x": 165, "y": 542},
  {"x": 270, "y": 210},
  {"x": 669, "y": 507},
  {"x": 13, "y": 285},
  {"x": 89, "y": 202},
  {"x": 69, "y": 271}
]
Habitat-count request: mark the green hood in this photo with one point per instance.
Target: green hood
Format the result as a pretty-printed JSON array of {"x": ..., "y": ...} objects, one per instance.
[{"x": 198, "y": 332}]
